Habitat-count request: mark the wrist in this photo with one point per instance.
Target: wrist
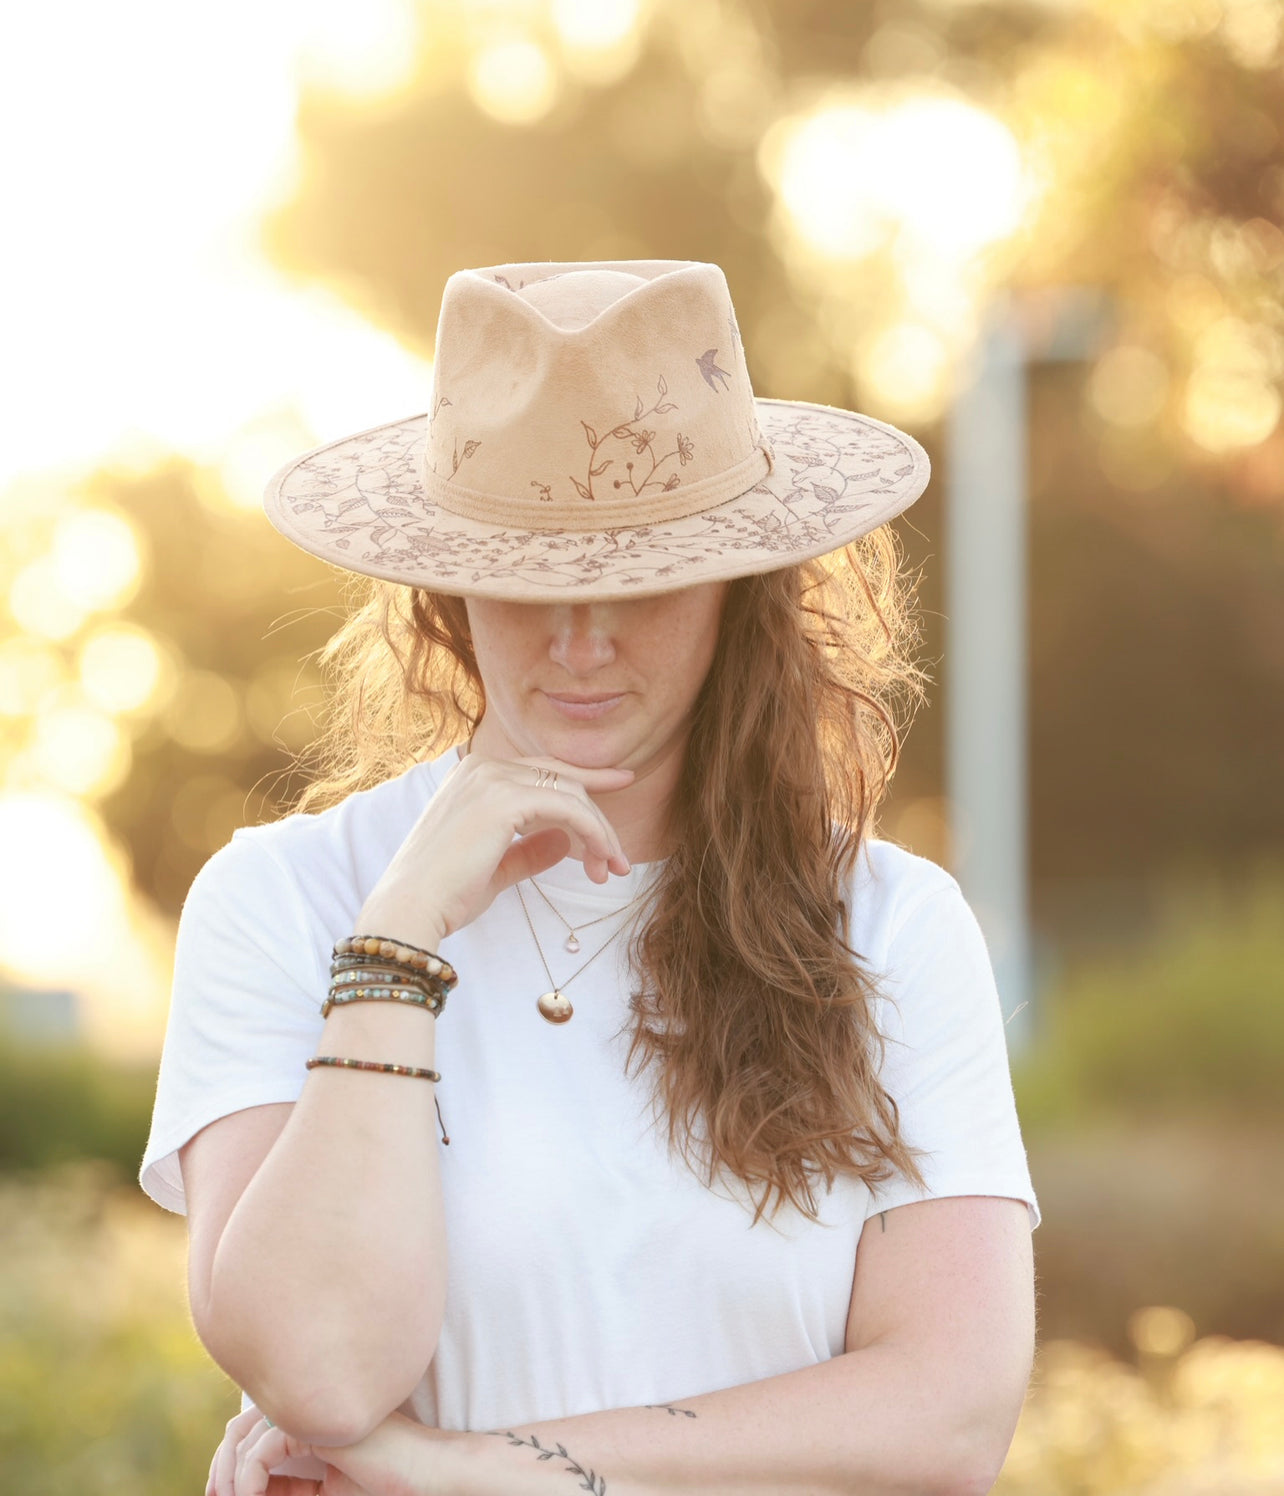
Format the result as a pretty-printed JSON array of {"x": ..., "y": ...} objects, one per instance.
[
  {"x": 425, "y": 931},
  {"x": 400, "y": 1033}
]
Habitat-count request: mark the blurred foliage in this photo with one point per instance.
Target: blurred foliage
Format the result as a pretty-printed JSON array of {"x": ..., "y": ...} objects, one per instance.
[
  {"x": 233, "y": 606},
  {"x": 1156, "y": 591},
  {"x": 62, "y": 1102},
  {"x": 1190, "y": 1023},
  {"x": 1204, "y": 1423},
  {"x": 105, "y": 1388}
]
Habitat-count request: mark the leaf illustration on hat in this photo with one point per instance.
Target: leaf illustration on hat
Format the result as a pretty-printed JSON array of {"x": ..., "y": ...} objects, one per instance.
[
  {"x": 469, "y": 448},
  {"x": 642, "y": 440},
  {"x": 708, "y": 366}
]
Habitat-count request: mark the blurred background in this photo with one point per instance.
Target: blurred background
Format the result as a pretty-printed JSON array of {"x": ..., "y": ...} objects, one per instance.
[{"x": 1042, "y": 236}]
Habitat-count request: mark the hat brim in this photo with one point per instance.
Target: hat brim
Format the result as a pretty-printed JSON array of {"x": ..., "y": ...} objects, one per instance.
[{"x": 359, "y": 504}]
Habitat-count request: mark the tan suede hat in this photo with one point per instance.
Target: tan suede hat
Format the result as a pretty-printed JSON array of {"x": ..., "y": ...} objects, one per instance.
[{"x": 593, "y": 434}]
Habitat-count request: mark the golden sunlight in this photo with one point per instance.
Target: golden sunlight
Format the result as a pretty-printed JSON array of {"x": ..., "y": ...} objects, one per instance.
[
  {"x": 121, "y": 668},
  {"x": 1233, "y": 399},
  {"x": 115, "y": 956},
  {"x": 513, "y": 81},
  {"x": 940, "y": 171}
]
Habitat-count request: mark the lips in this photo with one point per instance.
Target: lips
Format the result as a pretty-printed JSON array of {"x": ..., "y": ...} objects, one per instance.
[{"x": 580, "y": 708}]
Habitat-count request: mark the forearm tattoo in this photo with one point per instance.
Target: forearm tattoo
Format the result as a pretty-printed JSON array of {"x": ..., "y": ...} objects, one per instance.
[{"x": 592, "y": 1482}]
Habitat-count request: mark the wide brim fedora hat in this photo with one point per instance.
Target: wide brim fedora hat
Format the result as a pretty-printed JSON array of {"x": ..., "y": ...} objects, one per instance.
[{"x": 592, "y": 433}]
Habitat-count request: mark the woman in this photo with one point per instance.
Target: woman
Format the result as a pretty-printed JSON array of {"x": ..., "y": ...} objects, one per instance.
[{"x": 730, "y": 1192}]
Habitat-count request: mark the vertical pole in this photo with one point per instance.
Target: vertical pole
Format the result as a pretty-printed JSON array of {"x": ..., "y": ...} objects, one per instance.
[{"x": 985, "y": 680}]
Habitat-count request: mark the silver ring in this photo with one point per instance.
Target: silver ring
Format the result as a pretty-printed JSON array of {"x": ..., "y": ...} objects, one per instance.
[
  {"x": 268, "y": 1421},
  {"x": 542, "y": 777}
]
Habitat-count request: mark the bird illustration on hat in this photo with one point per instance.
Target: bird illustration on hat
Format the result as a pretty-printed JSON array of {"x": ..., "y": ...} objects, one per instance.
[{"x": 708, "y": 362}]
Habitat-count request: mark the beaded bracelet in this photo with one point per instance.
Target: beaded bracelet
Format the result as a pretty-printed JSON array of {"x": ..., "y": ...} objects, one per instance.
[
  {"x": 388, "y": 973},
  {"x": 407, "y": 955},
  {"x": 344, "y": 973},
  {"x": 333, "y": 1059},
  {"x": 413, "y": 995}
]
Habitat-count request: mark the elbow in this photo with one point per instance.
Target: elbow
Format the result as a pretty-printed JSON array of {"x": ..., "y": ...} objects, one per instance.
[
  {"x": 973, "y": 1462},
  {"x": 322, "y": 1389},
  {"x": 327, "y": 1418}
]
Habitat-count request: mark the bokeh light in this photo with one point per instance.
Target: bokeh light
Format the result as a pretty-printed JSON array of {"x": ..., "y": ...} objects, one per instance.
[
  {"x": 513, "y": 81},
  {"x": 121, "y": 668},
  {"x": 68, "y": 893},
  {"x": 942, "y": 172},
  {"x": 79, "y": 749},
  {"x": 1129, "y": 385},
  {"x": 1233, "y": 397},
  {"x": 204, "y": 713}
]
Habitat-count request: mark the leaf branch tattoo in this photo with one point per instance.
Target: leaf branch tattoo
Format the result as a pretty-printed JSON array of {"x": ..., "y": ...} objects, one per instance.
[{"x": 596, "y": 1484}]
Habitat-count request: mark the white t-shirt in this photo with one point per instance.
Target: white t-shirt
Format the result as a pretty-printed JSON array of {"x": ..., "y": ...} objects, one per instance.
[{"x": 588, "y": 1268}]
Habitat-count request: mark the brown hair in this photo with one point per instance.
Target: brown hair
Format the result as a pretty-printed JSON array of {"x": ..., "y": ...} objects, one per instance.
[{"x": 754, "y": 1011}]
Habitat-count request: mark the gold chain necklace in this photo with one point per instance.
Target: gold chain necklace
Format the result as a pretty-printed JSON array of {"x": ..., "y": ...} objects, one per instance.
[
  {"x": 572, "y": 943},
  {"x": 554, "y": 1004}
]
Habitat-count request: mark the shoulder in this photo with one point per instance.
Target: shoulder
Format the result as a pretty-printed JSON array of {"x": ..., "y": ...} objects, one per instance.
[
  {"x": 890, "y": 884},
  {"x": 334, "y": 849}
]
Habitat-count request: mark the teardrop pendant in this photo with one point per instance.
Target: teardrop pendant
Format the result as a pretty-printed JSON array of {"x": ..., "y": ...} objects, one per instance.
[
  {"x": 572, "y": 943},
  {"x": 555, "y": 1006}
]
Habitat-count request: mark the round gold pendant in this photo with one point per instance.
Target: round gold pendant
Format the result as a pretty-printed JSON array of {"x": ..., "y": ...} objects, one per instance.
[{"x": 555, "y": 1007}]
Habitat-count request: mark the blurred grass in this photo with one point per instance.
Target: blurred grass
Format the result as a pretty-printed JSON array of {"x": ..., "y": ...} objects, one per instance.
[
  {"x": 104, "y": 1386},
  {"x": 59, "y": 1103}
]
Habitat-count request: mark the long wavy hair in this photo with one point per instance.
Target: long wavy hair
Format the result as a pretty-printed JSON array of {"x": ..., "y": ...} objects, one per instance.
[{"x": 751, "y": 1009}]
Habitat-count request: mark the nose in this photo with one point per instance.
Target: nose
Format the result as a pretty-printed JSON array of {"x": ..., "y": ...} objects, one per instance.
[{"x": 581, "y": 638}]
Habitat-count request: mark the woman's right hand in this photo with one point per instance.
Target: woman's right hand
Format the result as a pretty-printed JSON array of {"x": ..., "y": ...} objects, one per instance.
[{"x": 461, "y": 852}]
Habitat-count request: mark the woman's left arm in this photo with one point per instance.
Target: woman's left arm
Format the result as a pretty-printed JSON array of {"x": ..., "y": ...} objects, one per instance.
[
  {"x": 924, "y": 1401},
  {"x": 939, "y": 1349}
]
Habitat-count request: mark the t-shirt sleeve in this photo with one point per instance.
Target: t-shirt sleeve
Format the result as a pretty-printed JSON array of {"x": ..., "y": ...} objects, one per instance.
[
  {"x": 245, "y": 1006},
  {"x": 946, "y": 1060}
]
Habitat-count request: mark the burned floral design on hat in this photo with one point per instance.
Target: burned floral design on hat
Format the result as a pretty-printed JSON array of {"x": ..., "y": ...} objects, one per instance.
[
  {"x": 544, "y": 473},
  {"x": 643, "y": 443}
]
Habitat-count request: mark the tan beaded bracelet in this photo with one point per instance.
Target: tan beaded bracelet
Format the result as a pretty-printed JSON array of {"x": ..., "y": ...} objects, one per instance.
[{"x": 397, "y": 950}]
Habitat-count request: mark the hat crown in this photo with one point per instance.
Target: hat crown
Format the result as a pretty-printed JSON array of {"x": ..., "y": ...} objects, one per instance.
[{"x": 589, "y": 395}]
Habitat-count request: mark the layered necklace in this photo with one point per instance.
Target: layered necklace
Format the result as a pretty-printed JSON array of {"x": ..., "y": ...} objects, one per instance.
[{"x": 554, "y": 1005}]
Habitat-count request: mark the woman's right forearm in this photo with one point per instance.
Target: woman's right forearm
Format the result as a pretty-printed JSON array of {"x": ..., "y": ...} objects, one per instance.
[{"x": 329, "y": 1282}]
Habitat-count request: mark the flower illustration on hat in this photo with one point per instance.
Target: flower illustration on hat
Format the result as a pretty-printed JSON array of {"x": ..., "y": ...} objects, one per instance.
[{"x": 642, "y": 441}]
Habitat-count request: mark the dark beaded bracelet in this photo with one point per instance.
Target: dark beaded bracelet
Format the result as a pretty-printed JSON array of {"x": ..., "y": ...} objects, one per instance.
[
  {"x": 334, "y": 1059},
  {"x": 355, "y": 968},
  {"x": 433, "y": 1001}
]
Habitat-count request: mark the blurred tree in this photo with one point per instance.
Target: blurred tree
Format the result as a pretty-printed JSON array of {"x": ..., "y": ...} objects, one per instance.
[
  {"x": 1157, "y": 482},
  {"x": 1157, "y": 549}
]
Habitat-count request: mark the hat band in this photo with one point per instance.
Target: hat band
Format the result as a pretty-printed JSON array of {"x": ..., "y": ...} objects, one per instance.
[{"x": 587, "y": 515}]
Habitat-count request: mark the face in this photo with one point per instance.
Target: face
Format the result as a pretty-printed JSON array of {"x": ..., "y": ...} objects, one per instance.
[{"x": 604, "y": 684}]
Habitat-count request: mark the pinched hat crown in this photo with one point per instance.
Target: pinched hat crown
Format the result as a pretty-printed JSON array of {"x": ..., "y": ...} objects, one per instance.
[
  {"x": 590, "y": 396},
  {"x": 592, "y": 433}
]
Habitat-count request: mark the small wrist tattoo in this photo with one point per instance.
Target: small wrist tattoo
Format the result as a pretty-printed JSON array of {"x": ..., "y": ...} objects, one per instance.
[{"x": 595, "y": 1484}]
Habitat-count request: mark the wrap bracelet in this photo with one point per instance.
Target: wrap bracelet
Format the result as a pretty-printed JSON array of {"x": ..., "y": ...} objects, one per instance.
[
  {"x": 407, "y": 955},
  {"x": 415, "y": 995},
  {"x": 334, "y": 1059}
]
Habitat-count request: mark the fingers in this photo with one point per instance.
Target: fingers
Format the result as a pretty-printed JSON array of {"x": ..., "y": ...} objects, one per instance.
[
  {"x": 599, "y": 845},
  {"x": 223, "y": 1468},
  {"x": 259, "y": 1452}
]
